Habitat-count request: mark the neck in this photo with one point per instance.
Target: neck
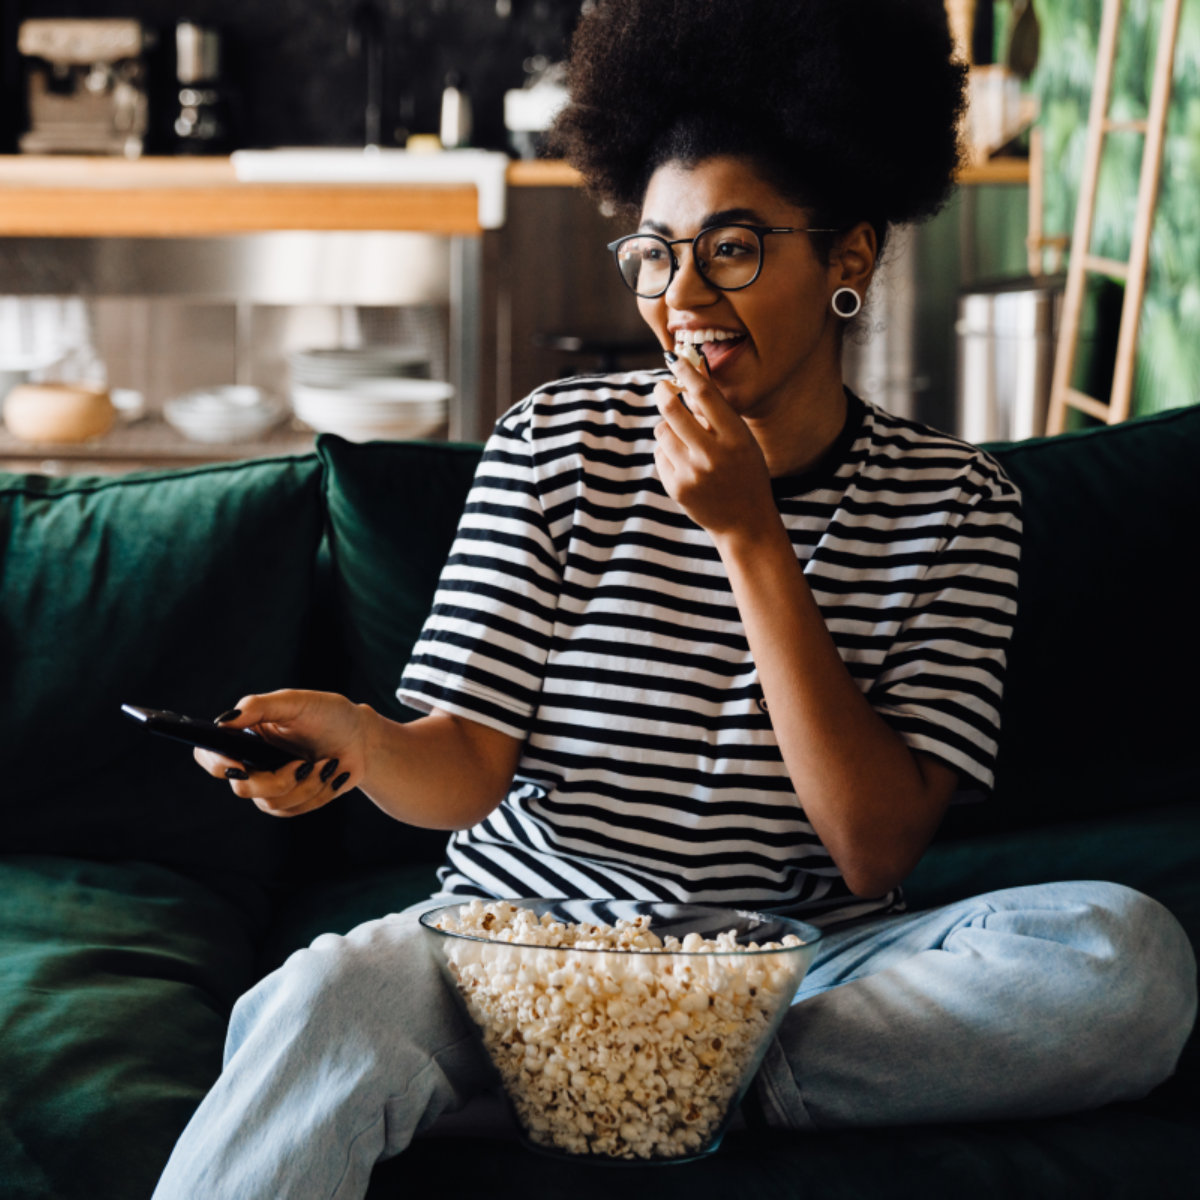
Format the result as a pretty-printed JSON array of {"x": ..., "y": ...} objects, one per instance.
[{"x": 796, "y": 431}]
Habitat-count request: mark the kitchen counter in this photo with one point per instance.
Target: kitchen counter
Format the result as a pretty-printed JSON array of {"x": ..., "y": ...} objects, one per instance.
[
  {"x": 186, "y": 230},
  {"x": 180, "y": 197},
  {"x": 197, "y": 197}
]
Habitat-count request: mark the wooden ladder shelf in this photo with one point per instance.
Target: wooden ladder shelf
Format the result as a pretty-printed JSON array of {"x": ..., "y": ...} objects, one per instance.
[{"x": 1133, "y": 272}]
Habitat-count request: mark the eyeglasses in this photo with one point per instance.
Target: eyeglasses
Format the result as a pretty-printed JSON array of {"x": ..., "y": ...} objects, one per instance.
[{"x": 728, "y": 257}]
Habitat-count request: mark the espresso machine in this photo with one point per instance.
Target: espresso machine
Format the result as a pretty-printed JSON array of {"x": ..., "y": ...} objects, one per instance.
[{"x": 86, "y": 86}]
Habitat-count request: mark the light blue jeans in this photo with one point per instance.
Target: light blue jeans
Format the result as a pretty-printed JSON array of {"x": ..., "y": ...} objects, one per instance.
[{"x": 1025, "y": 1002}]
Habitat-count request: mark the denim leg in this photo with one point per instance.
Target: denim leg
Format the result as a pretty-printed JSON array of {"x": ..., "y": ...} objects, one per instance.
[
  {"x": 332, "y": 1063},
  {"x": 1025, "y": 1002}
]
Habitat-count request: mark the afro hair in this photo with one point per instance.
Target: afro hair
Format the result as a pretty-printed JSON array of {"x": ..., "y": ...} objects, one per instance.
[{"x": 851, "y": 108}]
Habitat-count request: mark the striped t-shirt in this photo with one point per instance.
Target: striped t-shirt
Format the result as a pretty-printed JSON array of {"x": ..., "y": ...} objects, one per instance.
[{"x": 582, "y": 611}]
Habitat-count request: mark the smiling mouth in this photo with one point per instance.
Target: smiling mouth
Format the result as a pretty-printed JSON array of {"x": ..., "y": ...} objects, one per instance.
[{"x": 716, "y": 344}]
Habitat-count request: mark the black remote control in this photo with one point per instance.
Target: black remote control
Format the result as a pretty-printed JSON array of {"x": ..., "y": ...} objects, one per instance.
[{"x": 242, "y": 745}]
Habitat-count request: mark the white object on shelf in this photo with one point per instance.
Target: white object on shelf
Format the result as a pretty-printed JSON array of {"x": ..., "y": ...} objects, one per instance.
[
  {"x": 49, "y": 334},
  {"x": 456, "y": 118},
  {"x": 532, "y": 110},
  {"x": 376, "y": 408},
  {"x": 129, "y": 404},
  {"x": 998, "y": 110},
  {"x": 334, "y": 367},
  {"x": 486, "y": 169},
  {"x": 224, "y": 414}
]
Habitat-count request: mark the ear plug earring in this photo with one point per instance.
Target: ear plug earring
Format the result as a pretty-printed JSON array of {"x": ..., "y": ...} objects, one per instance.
[{"x": 846, "y": 302}]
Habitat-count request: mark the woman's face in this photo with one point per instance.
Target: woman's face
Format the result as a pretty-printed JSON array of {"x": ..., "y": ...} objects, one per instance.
[{"x": 775, "y": 337}]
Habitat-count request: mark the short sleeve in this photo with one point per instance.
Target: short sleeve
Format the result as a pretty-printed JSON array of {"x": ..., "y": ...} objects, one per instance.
[
  {"x": 943, "y": 679},
  {"x": 482, "y": 652}
]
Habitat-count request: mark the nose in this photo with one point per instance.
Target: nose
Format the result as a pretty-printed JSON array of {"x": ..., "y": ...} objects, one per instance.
[{"x": 689, "y": 289}]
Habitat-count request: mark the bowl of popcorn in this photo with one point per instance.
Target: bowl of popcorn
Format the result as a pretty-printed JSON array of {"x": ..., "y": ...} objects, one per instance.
[{"x": 621, "y": 1031}]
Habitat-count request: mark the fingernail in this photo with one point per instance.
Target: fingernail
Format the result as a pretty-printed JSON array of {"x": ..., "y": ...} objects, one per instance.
[
  {"x": 236, "y": 773},
  {"x": 231, "y": 715},
  {"x": 340, "y": 781},
  {"x": 328, "y": 769},
  {"x": 303, "y": 771},
  {"x": 672, "y": 359}
]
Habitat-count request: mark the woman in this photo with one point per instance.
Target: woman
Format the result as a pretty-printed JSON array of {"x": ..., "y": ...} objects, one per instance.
[{"x": 732, "y": 639}]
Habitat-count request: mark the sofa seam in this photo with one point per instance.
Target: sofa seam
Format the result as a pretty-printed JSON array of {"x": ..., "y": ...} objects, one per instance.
[{"x": 119, "y": 481}]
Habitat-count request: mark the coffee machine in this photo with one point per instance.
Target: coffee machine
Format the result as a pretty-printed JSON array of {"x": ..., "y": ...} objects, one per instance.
[{"x": 86, "y": 86}]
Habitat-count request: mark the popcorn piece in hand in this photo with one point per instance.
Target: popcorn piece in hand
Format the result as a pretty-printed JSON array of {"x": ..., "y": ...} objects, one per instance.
[
  {"x": 693, "y": 354},
  {"x": 610, "y": 1054}
]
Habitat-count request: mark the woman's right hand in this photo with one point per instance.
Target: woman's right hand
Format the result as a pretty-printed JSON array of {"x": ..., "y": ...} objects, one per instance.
[{"x": 329, "y": 729}]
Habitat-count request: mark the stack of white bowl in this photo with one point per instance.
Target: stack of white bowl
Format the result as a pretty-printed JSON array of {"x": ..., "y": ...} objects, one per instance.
[
  {"x": 373, "y": 392},
  {"x": 232, "y": 413}
]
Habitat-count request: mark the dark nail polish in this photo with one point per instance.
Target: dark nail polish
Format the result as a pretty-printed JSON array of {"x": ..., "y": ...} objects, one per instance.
[
  {"x": 340, "y": 781},
  {"x": 236, "y": 773},
  {"x": 328, "y": 769},
  {"x": 672, "y": 359},
  {"x": 303, "y": 771},
  {"x": 231, "y": 715}
]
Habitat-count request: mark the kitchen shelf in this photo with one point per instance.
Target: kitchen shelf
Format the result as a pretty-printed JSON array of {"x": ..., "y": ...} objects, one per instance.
[
  {"x": 70, "y": 196},
  {"x": 1013, "y": 171},
  {"x": 543, "y": 172},
  {"x": 145, "y": 444},
  {"x": 168, "y": 197},
  {"x": 552, "y": 173}
]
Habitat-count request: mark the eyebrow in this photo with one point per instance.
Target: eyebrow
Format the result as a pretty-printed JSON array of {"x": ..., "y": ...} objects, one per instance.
[{"x": 726, "y": 216}]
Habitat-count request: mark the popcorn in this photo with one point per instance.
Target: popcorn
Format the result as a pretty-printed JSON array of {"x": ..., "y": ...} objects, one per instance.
[
  {"x": 607, "y": 1042},
  {"x": 692, "y": 354}
]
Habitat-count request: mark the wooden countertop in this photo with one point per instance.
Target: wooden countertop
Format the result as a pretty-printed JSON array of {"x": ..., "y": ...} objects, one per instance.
[
  {"x": 71, "y": 196},
  {"x": 180, "y": 197}
]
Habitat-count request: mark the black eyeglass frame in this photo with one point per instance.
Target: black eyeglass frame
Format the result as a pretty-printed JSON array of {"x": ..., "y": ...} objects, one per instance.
[{"x": 759, "y": 231}]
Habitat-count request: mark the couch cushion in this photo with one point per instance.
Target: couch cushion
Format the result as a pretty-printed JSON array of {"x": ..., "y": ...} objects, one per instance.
[
  {"x": 338, "y": 905},
  {"x": 393, "y": 511},
  {"x": 116, "y": 980},
  {"x": 1096, "y": 717},
  {"x": 178, "y": 590}
]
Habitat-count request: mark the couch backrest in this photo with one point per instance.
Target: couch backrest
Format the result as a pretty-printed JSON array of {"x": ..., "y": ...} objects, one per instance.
[
  {"x": 180, "y": 590},
  {"x": 393, "y": 509},
  {"x": 1098, "y": 708},
  {"x": 1098, "y": 712},
  {"x": 1097, "y": 716},
  {"x": 187, "y": 589}
]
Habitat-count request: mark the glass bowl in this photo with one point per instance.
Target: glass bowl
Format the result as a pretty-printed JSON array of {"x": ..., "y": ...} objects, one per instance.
[{"x": 629, "y": 1055}]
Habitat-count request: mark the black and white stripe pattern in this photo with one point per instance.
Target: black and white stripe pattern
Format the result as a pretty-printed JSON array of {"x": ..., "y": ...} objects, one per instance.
[{"x": 582, "y": 611}]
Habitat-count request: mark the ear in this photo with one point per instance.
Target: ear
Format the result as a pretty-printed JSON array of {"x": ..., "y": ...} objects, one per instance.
[{"x": 852, "y": 263}]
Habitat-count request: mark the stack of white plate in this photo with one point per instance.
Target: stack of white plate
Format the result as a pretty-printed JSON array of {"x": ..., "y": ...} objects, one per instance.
[
  {"x": 372, "y": 392},
  {"x": 337, "y": 368},
  {"x": 376, "y": 408}
]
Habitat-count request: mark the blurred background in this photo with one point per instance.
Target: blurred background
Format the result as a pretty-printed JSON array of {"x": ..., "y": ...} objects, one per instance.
[{"x": 202, "y": 306}]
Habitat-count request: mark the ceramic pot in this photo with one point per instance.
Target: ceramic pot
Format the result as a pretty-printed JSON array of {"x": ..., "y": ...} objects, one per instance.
[{"x": 58, "y": 412}]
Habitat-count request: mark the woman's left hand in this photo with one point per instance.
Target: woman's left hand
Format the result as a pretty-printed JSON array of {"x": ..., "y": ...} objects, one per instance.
[{"x": 708, "y": 460}]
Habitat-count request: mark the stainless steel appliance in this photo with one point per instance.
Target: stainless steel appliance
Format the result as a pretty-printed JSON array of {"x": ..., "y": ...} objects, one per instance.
[
  {"x": 86, "y": 84},
  {"x": 1006, "y": 340},
  {"x": 202, "y": 122}
]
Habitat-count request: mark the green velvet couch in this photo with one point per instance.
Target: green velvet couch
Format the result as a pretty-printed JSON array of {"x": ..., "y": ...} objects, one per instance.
[{"x": 138, "y": 898}]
